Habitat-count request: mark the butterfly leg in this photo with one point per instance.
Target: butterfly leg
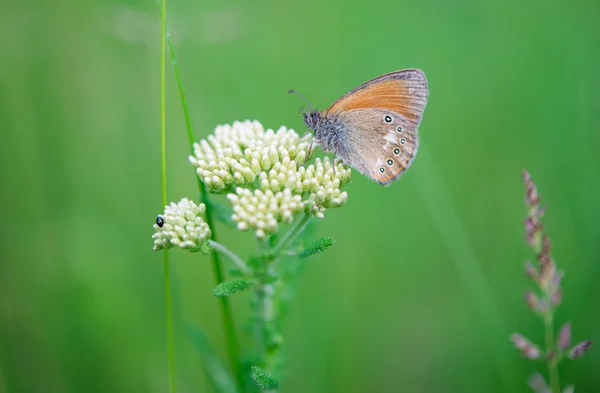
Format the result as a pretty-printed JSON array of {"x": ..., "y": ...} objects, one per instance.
[
  {"x": 333, "y": 163},
  {"x": 309, "y": 151}
]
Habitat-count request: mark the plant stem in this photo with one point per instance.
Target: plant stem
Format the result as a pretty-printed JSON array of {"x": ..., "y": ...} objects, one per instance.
[
  {"x": 219, "y": 277},
  {"x": 231, "y": 255},
  {"x": 163, "y": 151},
  {"x": 291, "y": 235},
  {"x": 268, "y": 316},
  {"x": 552, "y": 363},
  {"x": 259, "y": 294},
  {"x": 267, "y": 335},
  {"x": 551, "y": 348},
  {"x": 228, "y": 324},
  {"x": 265, "y": 327}
]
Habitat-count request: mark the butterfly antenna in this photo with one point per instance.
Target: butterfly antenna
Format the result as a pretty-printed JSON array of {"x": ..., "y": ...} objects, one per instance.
[{"x": 301, "y": 96}]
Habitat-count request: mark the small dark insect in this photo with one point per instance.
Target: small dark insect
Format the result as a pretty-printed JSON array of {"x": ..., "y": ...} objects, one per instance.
[{"x": 160, "y": 221}]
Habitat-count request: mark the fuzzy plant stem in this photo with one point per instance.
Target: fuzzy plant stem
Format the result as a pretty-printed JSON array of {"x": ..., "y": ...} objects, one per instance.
[
  {"x": 263, "y": 294},
  {"x": 266, "y": 329},
  {"x": 226, "y": 313},
  {"x": 163, "y": 155}
]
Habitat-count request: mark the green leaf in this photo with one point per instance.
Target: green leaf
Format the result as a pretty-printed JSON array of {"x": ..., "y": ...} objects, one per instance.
[
  {"x": 230, "y": 287},
  {"x": 218, "y": 376},
  {"x": 257, "y": 261},
  {"x": 262, "y": 379},
  {"x": 317, "y": 247}
]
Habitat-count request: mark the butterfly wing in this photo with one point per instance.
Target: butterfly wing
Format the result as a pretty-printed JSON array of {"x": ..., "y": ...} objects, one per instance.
[
  {"x": 379, "y": 123},
  {"x": 379, "y": 143},
  {"x": 404, "y": 92}
]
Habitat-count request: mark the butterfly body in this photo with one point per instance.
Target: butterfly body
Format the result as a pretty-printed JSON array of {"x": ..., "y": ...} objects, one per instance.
[
  {"x": 330, "y": 133},
  {"x": 374, "y": 127}
]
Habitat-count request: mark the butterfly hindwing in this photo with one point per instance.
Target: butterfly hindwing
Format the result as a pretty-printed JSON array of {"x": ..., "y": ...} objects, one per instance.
[{"x": 379, "y": 143}]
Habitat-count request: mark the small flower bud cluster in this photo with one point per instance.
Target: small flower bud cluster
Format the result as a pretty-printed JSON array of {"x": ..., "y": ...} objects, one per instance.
[
  {"x": 323, "y": 184},
  {"x": 538, "y": 384},
  {"x": 266, "y": 170},
  {"x": 236, "y": 155},
  {"x": 546, "y": 276},
  {"x": 263, "y": 210},
  {"x": 182, "y": 225},
  {"x": 549, "y": 294},
  {"x": 527, "y": 348}
]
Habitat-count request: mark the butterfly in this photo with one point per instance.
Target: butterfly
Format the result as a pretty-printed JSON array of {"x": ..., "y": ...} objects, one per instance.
[{"x": 374, "y": 127}]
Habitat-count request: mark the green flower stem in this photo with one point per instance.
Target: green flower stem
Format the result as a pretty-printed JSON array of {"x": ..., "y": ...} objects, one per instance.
[
  {"x": 266, "y": 334},
  {"x": 268, "y": 315},
  {"x": 231, "y": 255},
  {"x": 226, "y": 313},
  {"x": 264, "y": 295},
  {"x": 163, "y": 156},
  {"x": 289, "y": 237},
  {"x": 259, "y": 294}
]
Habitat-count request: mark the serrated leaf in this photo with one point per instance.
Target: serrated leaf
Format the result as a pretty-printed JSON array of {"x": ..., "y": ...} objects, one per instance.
[
  {"x": 228, "y": 288},
  {"x": 263, "y": 380},
  {"x": 218, "y": 376},
  {"x": 317, "y": 247}
]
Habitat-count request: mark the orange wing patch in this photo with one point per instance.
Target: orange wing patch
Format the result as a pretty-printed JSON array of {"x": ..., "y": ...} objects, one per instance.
[{"x": 404, "y": 92}]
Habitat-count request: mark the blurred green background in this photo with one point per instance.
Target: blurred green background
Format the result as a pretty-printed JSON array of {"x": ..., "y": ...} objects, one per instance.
[{"x": 425, "y": 283}]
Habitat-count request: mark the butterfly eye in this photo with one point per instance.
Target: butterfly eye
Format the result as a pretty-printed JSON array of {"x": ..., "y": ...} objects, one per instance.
[
  {"x": 402, "y": 141},
  {"x": 399, "y": 129},
  {"x": 388, "y": 119},
  {"x": 160, "y": 221},
  {"x": 382, "y": 169},
  {"x": 396, "y": 151},
  {"x": 390, "y": 162}
]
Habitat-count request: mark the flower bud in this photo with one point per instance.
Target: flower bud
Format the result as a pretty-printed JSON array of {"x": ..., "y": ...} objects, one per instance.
[{"x": 182, "y": 225}]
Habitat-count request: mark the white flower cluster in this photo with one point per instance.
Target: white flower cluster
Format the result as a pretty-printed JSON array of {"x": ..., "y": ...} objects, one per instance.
[
  {"x": 238, "y": 154},
  {"x": 323, "y": 185},
  {"x": 262, "y": 210},
  {"x": 181, "y": 225},
  {"x": 265, "y": 171}
]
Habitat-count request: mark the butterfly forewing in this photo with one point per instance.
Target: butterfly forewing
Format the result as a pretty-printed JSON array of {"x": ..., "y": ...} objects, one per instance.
[{"x": 404, "y": 92}]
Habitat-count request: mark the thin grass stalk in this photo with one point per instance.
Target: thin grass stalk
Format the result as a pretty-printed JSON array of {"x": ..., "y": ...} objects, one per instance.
[
  {"x": 163, "y": 155},
  {"x": 218, "y": 275}
]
